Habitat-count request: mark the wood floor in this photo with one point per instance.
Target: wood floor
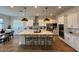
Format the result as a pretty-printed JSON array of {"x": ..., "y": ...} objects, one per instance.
[{"x": 57, "y": 46}]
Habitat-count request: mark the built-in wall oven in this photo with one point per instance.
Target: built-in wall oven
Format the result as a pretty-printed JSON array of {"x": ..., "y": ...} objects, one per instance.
[{"x": 61, "y": 30}]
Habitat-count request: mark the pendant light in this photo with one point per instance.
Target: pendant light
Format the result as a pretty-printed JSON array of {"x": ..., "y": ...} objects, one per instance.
[
  {"x": 24, "y": 19},
  {"x": 46, "y": 19}
]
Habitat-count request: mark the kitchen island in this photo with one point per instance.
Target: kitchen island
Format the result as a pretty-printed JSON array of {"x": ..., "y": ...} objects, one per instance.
[
  {"x": 32, "y": 32},
  {"x": 34, "y": 37}
]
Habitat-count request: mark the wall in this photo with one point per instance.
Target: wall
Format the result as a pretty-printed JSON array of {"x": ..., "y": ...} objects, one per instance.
[{"x": 6, "y": 20}]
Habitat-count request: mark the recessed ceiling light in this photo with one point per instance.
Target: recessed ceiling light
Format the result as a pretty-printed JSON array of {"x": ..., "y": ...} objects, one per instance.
[
  {"x": 12, "y": 6},
  {"x": 35, "y": 6},
  {"x": 59, "y": 7}
]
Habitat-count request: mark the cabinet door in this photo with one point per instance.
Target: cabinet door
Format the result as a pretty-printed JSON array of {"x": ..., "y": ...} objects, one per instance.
[
  {"x": 67, "y": 38},
  {"x": 61, "y": 20},
  {"x": 72, "y": 41},
  {"x": 78, "y": 20},
  {"x": 69, "y": 21},
  {"x": 76, "y": 45},
  {"x": 75, "y": 21}
]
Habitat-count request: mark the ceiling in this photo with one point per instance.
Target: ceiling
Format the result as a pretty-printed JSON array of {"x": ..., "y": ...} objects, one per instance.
[{"x": 32, "y": 11}]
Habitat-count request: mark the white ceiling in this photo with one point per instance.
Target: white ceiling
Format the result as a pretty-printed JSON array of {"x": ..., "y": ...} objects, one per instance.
[{"x": 32, "y": 11}]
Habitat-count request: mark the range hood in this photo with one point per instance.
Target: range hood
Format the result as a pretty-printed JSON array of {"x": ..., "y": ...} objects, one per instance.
[{"x": 35, "y": 23}]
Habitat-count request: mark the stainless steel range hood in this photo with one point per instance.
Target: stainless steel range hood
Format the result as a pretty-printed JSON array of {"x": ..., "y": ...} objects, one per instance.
[{"x": 35, "y": 23}]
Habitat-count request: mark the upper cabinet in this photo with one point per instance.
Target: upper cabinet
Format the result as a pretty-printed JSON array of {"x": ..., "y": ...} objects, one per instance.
[
  {"x": 69, "y": 21},
  {"x": 73, "y": 20},
  {"x": 61, "y": 20}
]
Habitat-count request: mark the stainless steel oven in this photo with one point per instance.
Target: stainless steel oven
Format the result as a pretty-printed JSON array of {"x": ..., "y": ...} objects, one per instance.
[{"x": 61, "y": 30}]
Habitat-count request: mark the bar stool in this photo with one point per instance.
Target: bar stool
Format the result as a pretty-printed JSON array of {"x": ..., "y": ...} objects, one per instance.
[
  {"x": 39, "y": 40},
  {"x": 35, "y": 40},
  {"x": 49, "y": 41},
  {"x": 28, "y": 40},
  {"x": 42, "y": 42},
  {"x": 46, "y": 40}
]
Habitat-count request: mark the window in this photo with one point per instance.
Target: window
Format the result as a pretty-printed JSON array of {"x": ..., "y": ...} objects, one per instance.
[
  {"x": 1, "y": 23},
  {"x": 17, "y": 26}
]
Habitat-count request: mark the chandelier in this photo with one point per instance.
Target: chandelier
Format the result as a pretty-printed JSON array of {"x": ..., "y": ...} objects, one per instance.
[
  {"x": 24, "y": 19},
  {"x": 46, "y": 19}
]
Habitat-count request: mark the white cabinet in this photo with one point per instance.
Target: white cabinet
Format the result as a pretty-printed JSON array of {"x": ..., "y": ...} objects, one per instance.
[
  {"x": 69, "y": 21},
  {"x": 61, "y": 20},
  {"x": 68, "y": 38},
  {"x": 73, "y": 20},
  {"x": 76, "y": 43},
  {"x": 72, "y": 41}
]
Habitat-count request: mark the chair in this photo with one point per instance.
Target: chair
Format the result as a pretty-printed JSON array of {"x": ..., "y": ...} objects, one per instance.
[
  {"x": 11, "y": 34},
  {"x": 8, "y": 36},
  {"x": 3, "y": 39}
]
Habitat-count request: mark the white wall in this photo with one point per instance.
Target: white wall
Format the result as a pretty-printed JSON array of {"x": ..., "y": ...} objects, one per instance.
[{"x": 6, "y": 20}]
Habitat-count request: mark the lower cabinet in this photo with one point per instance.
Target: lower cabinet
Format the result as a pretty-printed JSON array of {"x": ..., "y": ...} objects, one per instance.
[
  {"x": 67, "y": 38},
  {"x": 72, "y": 41},
  {"x": 76, "y": 43}
]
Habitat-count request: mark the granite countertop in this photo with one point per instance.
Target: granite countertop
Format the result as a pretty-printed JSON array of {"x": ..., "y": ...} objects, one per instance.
[{"x": 31, "y": 32}]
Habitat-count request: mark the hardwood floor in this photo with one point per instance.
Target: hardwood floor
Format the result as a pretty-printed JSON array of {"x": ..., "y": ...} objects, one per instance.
[{"x": 57, "y": 46}]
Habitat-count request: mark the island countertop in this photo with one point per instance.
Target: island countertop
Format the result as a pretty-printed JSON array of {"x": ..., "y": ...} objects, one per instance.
[{"x": 31, "y": 32}]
